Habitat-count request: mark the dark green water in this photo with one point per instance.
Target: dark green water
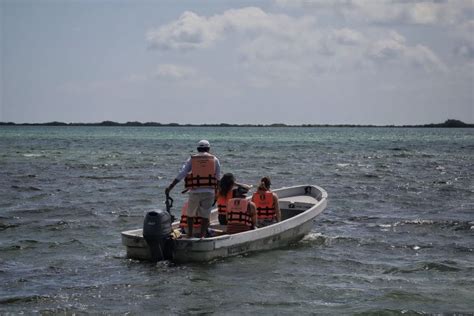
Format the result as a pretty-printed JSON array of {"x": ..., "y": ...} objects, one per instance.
[{"x": 397, "y": 236}]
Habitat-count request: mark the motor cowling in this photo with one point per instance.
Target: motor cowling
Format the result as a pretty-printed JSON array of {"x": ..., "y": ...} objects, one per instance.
[{"x": 157, "y": 233}]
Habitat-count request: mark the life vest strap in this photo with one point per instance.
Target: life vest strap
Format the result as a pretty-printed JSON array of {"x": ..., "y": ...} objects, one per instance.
[
  {"x": 198, "y": 181},
  {"x": 266, "y": 213},
  {"x": 222, "y": 202},
  {"x": 197, "y": 221},
  {"x": 222, "y": 209},
  {"x": 239, "y": 218}
]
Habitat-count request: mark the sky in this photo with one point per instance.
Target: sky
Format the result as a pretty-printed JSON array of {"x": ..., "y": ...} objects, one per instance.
[{"x": 376, "y": 62}]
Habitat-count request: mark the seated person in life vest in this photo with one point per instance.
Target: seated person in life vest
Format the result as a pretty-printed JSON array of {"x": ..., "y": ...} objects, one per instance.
[
  {"x": 241, "y": 213},
  {"x": 183, "y": 223},
  {"x": 225, "y": 193},
  {"x": 266, "y": 202}
]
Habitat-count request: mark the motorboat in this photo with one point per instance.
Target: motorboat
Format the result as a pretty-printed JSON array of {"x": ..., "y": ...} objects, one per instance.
[{"x": 299, "y": 206}]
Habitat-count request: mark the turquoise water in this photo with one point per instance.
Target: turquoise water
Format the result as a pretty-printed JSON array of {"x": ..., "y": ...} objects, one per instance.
[{"x": 397, "y": 236}]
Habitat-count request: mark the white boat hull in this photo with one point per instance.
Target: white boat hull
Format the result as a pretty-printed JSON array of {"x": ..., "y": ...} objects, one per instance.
[{"x": 299, "y": 205}]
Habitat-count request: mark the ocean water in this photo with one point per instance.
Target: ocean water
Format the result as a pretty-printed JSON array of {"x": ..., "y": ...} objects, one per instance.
[{"x": 396, "y": 238}]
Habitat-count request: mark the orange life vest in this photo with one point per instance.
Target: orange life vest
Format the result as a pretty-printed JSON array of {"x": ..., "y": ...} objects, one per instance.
[
  {"x": 238, "y": 216},
  {"x": 265, "y": 207},
  {"x": 203, "y": 172},
  {"x": 222, "y": 202},
  {"x": 183, "y": 223}
]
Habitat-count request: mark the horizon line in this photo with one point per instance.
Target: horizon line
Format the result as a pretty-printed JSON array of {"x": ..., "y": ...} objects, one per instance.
[{"x": 447, "y": 123}]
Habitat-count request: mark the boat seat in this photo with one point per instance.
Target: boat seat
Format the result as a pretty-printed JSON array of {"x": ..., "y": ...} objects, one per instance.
[{"x": 295, "y": 205}]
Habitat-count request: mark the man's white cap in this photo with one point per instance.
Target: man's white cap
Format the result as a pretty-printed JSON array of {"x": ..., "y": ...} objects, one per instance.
[{"x": 204, "y": 144}]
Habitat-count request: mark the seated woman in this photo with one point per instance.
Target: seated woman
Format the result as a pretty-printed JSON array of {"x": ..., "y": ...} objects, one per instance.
[
  {"x": 266, "y": 202},
  {"x": 241, "y": 213},
  {"x": 224, "y": 194}
]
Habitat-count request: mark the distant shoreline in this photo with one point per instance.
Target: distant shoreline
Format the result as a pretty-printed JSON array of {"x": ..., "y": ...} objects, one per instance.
[{"x": 447, "y": 124}]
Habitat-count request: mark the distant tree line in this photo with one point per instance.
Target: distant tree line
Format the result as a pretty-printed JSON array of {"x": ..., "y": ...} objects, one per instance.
[{"x": 447, "y": 123}]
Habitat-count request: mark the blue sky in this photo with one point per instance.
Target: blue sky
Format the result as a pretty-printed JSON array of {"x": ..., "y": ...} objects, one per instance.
[{"x": 295, "y": 62}]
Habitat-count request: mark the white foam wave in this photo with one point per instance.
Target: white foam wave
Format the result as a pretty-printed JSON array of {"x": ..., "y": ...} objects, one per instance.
[{"x": 313, "y": 237}]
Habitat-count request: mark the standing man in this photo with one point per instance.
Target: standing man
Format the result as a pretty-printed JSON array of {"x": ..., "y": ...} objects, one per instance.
[{"x": 201, "y": 173}]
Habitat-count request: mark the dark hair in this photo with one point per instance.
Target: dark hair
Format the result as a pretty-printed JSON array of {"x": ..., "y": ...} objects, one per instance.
[
  {"x": 226, "y": 183},
  {"x": 265, "y": 184}
]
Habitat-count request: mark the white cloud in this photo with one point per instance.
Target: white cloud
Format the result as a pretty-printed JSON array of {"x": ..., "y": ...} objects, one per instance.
[
  {"x": 468, "y": 27},
  {"x": 465, "y": 50},
  {"x": 191, "y": 31},
  {"x": 389, "y": 48},
  {"x": 347, "y": 36},
  {"x": 422, "y": 56},
  {"x": 278, "y": 47},
  {"x": 425, "y": 13},
  {"x": 391, "y": 11},
  {"x": 188, "y": 32},
  {"x": 465, "y": 45},
  {"x": 174, "y": 72},
  {"x": 394, "y": 49},
  {"x": 166, "y": 72}
]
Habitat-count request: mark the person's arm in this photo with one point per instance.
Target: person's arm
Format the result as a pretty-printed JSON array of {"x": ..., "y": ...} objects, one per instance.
[
  {"x": 218, "y": 168},
  {"x": 253, "y": 213},
  {"x": 171, "y": 186},
  {"x": 243, "y": 185},
  {"x": 184, "y": 171},
  {"x": 277, "y": 207}
]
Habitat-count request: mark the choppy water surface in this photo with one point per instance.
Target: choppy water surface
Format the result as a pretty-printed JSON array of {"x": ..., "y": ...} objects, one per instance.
[{"x": 397, "y": 236}]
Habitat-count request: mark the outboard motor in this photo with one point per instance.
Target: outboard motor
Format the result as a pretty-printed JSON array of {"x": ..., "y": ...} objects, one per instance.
[{"x": 157, "y": 233}]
